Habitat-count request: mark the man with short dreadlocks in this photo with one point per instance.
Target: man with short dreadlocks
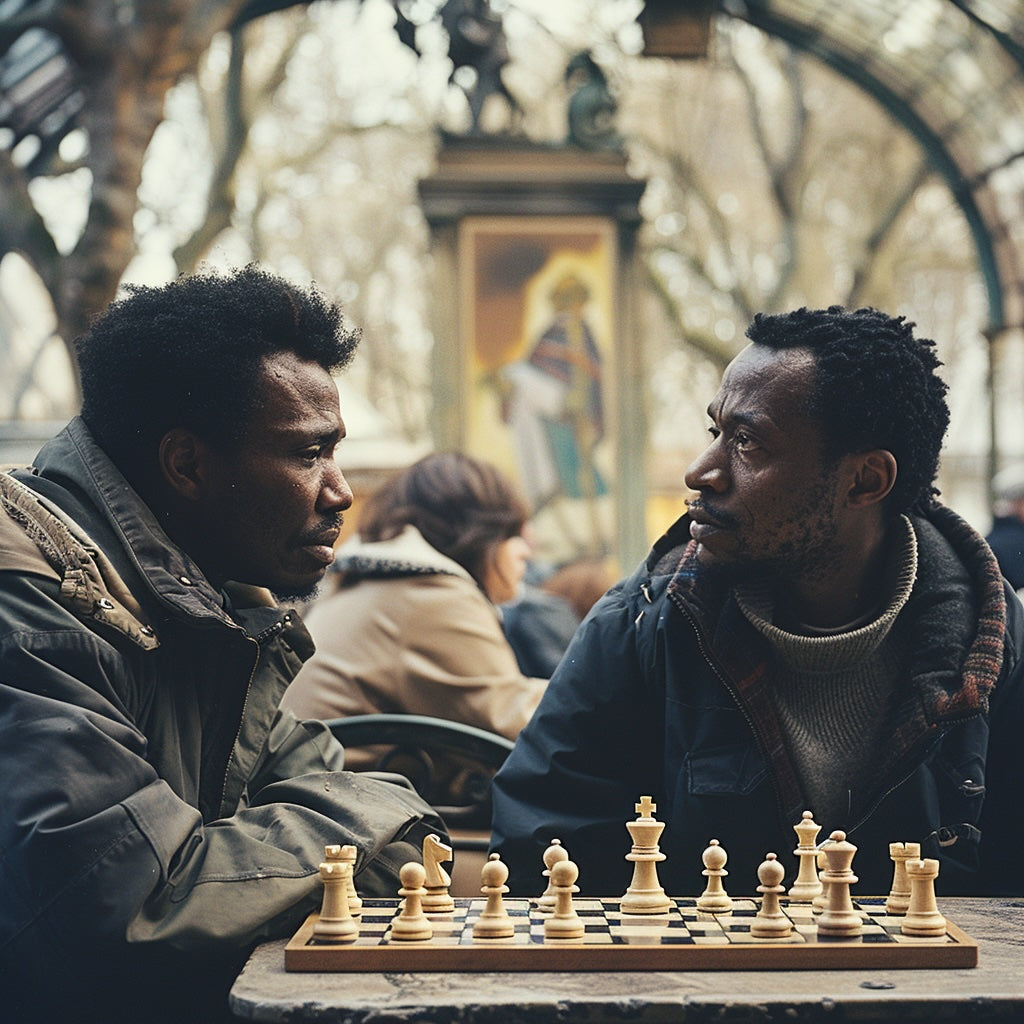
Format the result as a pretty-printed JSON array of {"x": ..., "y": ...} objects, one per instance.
[{"x": 816, "y": 633}]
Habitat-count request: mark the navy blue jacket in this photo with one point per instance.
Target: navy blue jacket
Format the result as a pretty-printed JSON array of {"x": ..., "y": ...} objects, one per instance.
[
  {"x": 667, "y": 690},
  {"x": 1006, "y": 539}
]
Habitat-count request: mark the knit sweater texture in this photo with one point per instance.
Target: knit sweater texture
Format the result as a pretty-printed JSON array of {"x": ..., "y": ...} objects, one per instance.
[{"x": 835, "y": 691}]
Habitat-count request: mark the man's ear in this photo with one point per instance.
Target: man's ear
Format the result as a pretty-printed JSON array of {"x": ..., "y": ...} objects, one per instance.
[
  {"x": 874, "y": 474},
  {"x": 183, "y": 458}
]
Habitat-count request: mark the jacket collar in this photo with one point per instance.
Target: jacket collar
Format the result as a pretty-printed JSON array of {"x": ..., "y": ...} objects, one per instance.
[
  {"x": 93, "y": 486},
  {"x": 407, "y": 554},
  {"x": 954, "y": 623},
  {"x": 961, "y": 610},
  {"x": 957, "y": 608}
]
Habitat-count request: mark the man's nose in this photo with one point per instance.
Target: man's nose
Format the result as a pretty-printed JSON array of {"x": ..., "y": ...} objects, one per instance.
[
  {"x": 707, "y": 472},
  {"x": 335, "y": 493}
]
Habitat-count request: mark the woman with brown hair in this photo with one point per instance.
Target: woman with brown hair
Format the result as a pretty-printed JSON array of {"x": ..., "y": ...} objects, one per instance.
[{"x": 414, "y": 626}]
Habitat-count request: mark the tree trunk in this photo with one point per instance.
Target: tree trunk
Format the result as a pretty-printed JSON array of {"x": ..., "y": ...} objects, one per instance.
[{"x": 126, "y": 67}]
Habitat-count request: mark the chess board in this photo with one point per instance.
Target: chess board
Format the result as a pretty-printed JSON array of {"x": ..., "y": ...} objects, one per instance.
[{"x": 682, "y": 939}]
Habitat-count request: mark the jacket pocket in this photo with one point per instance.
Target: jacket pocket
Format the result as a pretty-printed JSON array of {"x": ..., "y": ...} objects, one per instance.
[
  {"x": 961, "y": 787},
  {"x": 734, "y": 770}
]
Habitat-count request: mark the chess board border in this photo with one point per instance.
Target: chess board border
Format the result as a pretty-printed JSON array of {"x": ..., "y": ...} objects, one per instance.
[{"x": 956, "y": 949}]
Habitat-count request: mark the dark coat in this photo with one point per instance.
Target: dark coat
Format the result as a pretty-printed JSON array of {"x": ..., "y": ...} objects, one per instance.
[
  {"x": 666, "y": 690},
  {"x": 159, "y": 815},
  {"x": 1006, "y": 539}
]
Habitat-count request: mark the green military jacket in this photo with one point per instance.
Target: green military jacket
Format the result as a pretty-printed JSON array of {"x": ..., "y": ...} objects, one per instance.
[{"x": 159, "y": 808}]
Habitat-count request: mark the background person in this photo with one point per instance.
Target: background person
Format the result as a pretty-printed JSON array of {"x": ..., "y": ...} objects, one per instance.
[
  {"x": 1006, "y": 538},
  {"x": 160, "y": 816},
  {"x": 542, "y": 620},
  {"x": 414, "y": 626}
]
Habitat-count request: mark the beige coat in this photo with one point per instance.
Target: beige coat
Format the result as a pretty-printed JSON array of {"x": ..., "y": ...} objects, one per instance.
[{"x": 410, "y": 631}]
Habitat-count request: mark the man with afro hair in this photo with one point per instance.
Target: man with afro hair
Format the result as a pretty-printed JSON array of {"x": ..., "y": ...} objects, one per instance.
[
  {"x": 161, "y": 815},
  {"x": 816, "y": 633}
]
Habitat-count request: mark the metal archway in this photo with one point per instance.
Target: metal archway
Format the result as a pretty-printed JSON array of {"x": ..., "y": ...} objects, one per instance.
[{"x": 952, "y": 73}]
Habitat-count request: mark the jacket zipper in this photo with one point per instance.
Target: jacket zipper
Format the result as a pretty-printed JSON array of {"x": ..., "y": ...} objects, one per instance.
[
  {"x": 273, "y": 629},
  {"x": 712, "y": 663},
  {"x": 258, "y": 640},
  {"x": 906, "y": 775}
]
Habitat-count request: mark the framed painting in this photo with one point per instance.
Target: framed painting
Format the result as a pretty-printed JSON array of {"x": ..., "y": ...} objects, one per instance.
[{"x": 537, "y": 321}]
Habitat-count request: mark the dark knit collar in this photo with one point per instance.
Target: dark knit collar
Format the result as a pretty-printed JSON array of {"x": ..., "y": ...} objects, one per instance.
[{"x": 960, "y": 607}]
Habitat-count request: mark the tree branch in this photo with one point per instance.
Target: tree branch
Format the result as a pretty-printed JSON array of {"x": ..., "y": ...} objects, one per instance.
[
  {"x": 22, "y": 229},
  {"x": 884, "y": 225},
  {"x": 706, "y": 344}
]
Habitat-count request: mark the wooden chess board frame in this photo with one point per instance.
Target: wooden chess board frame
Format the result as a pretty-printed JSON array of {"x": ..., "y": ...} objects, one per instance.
[{"x": 682, "y": 940}]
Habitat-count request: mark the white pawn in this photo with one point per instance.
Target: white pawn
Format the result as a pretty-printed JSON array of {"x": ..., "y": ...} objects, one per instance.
[
  {"x": 899, "y": 894},
  {"x": 839, "y": 919},
  {"x": 564, "y": 922},
  {"x": 346, "y": 855},
  {"x": 807, "y": 884},
  {"x": 335, "y": 923},
  {"x": 770, "y": 922},
  {"x": 494, "y": 921},
  {"x": 923, "y": 917},
  {"x": 714, "y": 899},
  {"x": 552, "y": 855},
  {"x": 411, "y": 923}
]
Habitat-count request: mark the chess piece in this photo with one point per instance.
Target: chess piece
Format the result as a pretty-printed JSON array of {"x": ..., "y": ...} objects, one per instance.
[
  {"x": 335, "y": 923},
  {"x": 819, "y": 901},
  {"x": 438, "y": 900},
  {"x": 554, "y": 853},
  {"x": 923, "y": 917},
  {"x": 899, "y": 894},
  {"x": 839, "y": 919},
  {"x": 411, "y": 923},
  {"x": 645, "y": 894},
  {"x": 807, "y": 884},
  {"x": 564, "y": 922},
  {"x": 494, "y": 921},
  {"x": 770, "y": 922},
  {"x": 714, "y": 899},
  {"x": 347, "y": 855}
]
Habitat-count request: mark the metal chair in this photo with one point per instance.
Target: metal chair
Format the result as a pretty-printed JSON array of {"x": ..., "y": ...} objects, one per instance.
[{"x": 449, "y": 764}]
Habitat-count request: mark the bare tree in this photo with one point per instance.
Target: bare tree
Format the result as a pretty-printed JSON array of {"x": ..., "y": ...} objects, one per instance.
[
  {"x": 765, "y": 200},
  {"x": 112, "y": 64},
  {"x": 771, "y": 183},
  {"x": 125, "y": 58}
]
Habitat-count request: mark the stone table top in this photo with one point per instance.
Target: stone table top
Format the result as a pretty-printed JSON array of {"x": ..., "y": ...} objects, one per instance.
[{"x": 994, "y": 990}]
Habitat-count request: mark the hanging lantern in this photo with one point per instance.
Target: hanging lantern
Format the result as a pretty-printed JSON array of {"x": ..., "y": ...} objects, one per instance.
[{"x": 676, "y": 28}]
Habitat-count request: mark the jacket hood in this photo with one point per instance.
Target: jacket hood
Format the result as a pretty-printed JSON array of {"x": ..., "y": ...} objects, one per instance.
[
  {"x": 962, "y": 614},
  {"x": 408, "y": 554}
]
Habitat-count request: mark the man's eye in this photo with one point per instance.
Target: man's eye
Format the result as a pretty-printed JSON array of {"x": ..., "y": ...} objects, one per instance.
[
  {"x": 311, "y": 454},
  {"x": 714, "y": 432},
  {"x": 741, "y": 439}
]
